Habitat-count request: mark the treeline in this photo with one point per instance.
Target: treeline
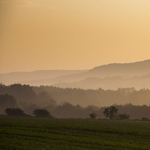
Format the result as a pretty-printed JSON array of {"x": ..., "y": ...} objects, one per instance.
[
  {"x": 23, "y": 97},
  {"x": 97, "y": 97},
  {"x": 17, "y": 112},
  {"x": 73, "y": 103}
]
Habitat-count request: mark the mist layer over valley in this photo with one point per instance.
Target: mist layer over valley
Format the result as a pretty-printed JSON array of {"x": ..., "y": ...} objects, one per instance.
[
  {"x": 74, "y": 103},
  {"x": 76, "y": 93},
  {"x": 111, "y": 76}
]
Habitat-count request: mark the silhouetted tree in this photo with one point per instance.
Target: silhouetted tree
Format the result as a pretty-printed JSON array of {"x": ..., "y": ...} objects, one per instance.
[
  {"x": 42, "y": 113},
  {"x": 16, "y": 112},
  {"x": 123, "y": 116},
  {"x": 110, "y": 112},
  {"x": 144, "y": 119},
  {"x": 93, "y": 115}
]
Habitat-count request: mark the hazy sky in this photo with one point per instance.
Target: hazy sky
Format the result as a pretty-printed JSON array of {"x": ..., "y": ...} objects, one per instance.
[{"x": 72, "y": 34}]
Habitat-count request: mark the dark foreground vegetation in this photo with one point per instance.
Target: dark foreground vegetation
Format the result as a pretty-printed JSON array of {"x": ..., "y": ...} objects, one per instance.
[{"x": 72, "y": 134}]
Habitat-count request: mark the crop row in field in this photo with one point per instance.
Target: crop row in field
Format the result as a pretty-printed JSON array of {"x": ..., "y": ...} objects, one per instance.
[{"x": 72, "y": 134}]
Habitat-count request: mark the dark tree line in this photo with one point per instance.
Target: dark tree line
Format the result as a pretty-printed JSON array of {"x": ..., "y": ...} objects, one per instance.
[
  {"x": 24, "y": 97},
  {"x": 23, "y": 94},
  {"x": 44, "y": 97},
  {"x": 97, "y": 97},
  {"x": 17, "y": 112}
]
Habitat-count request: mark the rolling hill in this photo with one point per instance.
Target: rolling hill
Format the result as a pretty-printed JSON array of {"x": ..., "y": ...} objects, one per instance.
[{"x": 110, "y": 76}]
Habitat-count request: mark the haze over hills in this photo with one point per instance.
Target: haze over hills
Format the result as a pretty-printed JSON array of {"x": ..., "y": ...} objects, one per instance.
[
  {"x": 111, "y": 76},
  {"x": 35, "y": 76},
  {"x": 125, "y": 69},
  {"x": 115, "y": 82}
]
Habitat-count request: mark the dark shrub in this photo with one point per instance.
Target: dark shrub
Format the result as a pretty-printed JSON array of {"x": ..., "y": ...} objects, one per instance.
[
  {"x": 93, "y": 115},
  {"x": 144, "y": 119},
  {"x": 42, "y": 113},
  {"x": 124, "y": 116},
  {"x": 16, "y": 112}
]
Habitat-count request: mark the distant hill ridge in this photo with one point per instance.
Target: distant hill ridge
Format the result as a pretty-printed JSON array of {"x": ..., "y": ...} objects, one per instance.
[
  {"x": 93, "y": 78},
  {"x": 134, "y": 68},
  {"x": 26, "y": 77}
]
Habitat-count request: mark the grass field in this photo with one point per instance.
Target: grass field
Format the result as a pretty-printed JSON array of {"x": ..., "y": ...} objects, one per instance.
[{"x": 72, "y": 134}]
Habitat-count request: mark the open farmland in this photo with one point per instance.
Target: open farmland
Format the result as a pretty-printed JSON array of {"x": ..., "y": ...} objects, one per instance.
[{"x": 72, "y": 134}]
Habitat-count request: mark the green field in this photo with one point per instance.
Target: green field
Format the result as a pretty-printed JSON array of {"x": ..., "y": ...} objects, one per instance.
[{"x": 72, "y": 134}]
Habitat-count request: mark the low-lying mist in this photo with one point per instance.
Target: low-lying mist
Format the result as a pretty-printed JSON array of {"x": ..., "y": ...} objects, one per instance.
[
  {"x": 111, "y": 76},
  {"x": 75, "y": 103}
]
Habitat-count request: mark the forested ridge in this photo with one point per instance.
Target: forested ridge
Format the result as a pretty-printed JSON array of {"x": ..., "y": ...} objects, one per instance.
[
  {"x": 97, "y": 97},
  {"x": 75, "y": 103}
]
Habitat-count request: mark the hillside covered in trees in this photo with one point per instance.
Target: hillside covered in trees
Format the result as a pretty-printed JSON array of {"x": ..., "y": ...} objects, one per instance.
[
  {"x": 75, "y": 103},
  {"x": 98, "y": 97}
]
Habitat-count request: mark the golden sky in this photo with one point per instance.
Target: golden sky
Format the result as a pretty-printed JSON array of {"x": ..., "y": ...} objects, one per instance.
[{"x": 72, "y": 34}]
